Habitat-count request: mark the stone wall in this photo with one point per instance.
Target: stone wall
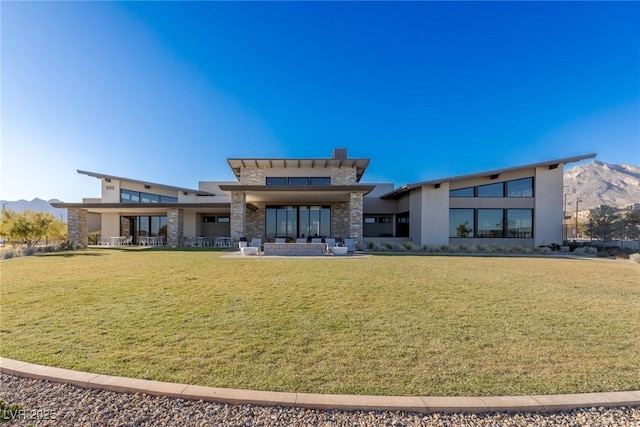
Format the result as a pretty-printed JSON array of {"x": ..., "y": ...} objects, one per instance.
[
  {"x": 295, "y": 249},
  {"x": 343, "y": 176},
  {"x": 175, "y": 227},
  {"x": 253, "y": 176},
  {"x": 78, "y": 227},
  {"x": 238, "y": 215},
  {"x": 254, "y": 222},
  {"x": 355, "y": 216},
  {"x": 340, "y": 220}
]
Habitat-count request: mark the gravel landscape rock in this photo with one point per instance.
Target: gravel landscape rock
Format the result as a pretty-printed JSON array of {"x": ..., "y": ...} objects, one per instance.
[{"x": 54, "y": 404}]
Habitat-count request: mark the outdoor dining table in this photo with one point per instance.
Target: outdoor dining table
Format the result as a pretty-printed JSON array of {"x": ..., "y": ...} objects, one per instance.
[
  {"x": 222, "y": 242},
  {"x": 151, "y": 240},
  {"x": 114, "y": 240}
]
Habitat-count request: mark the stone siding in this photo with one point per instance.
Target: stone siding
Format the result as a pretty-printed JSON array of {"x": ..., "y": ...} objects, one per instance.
[
  {"x": 340, "y": 220},
  {"x": 78, "y": 227},
  {"x": 295, "y": 249},
  {"x": 175, "y": 227},
  {"x": 254, "y": 222},
  {"x": 355, "y": 217},
  {"x": 343, "y": 176},
  {"x": 253, "y": 176},
  {"x": 238, "y": 215}
]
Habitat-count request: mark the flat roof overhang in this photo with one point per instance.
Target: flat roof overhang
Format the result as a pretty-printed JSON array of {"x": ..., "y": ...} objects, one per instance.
[
  {"x": 298, "y": 193},
  {"x": 360, "y": 164},
  {"x": 148, "y": 208}
]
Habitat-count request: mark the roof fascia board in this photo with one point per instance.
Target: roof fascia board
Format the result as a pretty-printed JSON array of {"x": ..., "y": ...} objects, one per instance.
[
  {"x": 409, "y": 187},
  {"x": 137, "y": 181}
]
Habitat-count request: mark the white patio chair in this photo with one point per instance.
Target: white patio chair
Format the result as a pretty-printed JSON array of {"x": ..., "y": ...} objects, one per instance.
[
  {"x": 349, "y": 243},
  {"x": 281, "y": 240},
  {"x": 301, "y": 240},
  {"x": 256, "y": 243},
  {"x": 331, "y": 243},
  {"x": 316, "y": 240}
]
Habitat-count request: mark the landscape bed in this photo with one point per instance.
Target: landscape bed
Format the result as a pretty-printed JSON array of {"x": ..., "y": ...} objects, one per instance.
[{"x": 396, "y": 325}]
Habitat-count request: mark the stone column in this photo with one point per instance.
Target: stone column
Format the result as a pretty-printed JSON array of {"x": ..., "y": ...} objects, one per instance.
[
  {"x": 175, "y": 227},
  {"x": 355, "y": 217},
  {"x": 78, "y": 227},
  {"x": 238, "y": 215}
]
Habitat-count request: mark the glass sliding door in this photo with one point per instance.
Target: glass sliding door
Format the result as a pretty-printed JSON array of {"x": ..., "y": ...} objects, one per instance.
[{"x": 297, "y": 221}]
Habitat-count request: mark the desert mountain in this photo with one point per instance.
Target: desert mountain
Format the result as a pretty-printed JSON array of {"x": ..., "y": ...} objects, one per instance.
[{"x": 598, "y": 183}]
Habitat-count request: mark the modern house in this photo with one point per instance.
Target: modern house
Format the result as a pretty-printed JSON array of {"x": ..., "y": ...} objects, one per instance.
[{"x": 321, "y": 198}]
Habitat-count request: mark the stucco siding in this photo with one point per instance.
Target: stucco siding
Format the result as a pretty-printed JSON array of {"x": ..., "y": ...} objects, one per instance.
[
  {"x": 435, "y": 215},
  {"x": 111, "y": 224},
  {"x": 547, "y": 220},
  {"x": 110, "y": 191},
  {"x": 415, "y": 216},
  {"x": 190, "y": 224}
]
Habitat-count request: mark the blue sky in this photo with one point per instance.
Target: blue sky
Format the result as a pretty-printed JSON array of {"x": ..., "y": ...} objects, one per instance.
[{"x": 166, "y": 92}]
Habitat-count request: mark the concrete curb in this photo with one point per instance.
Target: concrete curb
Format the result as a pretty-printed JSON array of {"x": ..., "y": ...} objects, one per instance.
[{"x": 422, "y": 404}]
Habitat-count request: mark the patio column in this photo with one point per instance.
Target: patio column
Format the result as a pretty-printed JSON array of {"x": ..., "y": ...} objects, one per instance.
[
  {"x": 78, "y": 227},
  {"x": 238, "y": 215},
  {"x": 175, "y": 227},
  {"x": 355, "y": 217}
]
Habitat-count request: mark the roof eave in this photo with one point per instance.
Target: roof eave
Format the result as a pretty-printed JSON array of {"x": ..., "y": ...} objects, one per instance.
[
  {"x": 137, "y": 181},
  {"x": 408, "y": 187}
]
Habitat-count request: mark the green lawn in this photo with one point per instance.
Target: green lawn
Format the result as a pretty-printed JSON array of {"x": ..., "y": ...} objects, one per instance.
[{"x": 400, "y": 325}]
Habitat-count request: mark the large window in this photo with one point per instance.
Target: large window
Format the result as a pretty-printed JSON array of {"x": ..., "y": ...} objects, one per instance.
[
  {"x": 130, "y": 196},
  {"x": 515, "y": 188},
  {"x": 461, "y": 223},
  {"x": 297, "y": 221},
  {"x": 145, "y": 226},
  {"x": 520, "y": 223},
  {"x": 276, "y": 180},
  {"x": 462, "y": 192},
  {"x": 490, "y": 223},
  {"x": 298, "y": 180},
  {"x": 491, "y": 190},
  {"x": 520, "y": 188}
]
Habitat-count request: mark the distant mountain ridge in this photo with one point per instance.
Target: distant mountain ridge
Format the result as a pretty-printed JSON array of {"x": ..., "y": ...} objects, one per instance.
[
  {"x": 599, "y": 183},
  {"x": 36, "y": 205}
]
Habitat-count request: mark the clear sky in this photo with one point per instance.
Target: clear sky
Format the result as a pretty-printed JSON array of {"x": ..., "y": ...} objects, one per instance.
[{"x": 167, "y": 91}]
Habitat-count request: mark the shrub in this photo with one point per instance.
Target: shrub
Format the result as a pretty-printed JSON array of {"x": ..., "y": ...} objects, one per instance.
[
  {"x": 480, "y": 247},
  {"x": 387, "y": 246},
  {"x": 66, "y": 245},
  {"x": 95, "y": 237},
  {"x": 48, "y": 249},
  {"x": 444, "y": 248},
  {"x": 545, "y": 250},
  {"x": 28, "y": 251},
  {"x": 496, "y": 248},
  {"x": 635, "y": 258},
  {"x": 515, "y": 249},
  {"x": 8, "y": 254},
  {"x": 397, "y": 248},
  {"x": 408, "y": 246},
  {"x": 462, "y": 248}
]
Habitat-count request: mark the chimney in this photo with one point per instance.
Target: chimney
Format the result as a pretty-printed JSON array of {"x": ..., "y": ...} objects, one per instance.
[{"x": 339, "y": 154}]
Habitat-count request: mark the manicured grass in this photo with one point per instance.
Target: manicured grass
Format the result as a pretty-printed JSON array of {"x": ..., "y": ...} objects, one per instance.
[{"x": 400, "y": 325}]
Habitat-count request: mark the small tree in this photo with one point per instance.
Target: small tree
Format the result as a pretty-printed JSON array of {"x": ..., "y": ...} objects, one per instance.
[
  {"x": 30, "y": 227},
  {"x": 632, "y": 225},
  {"x": 603, "y": 225}
]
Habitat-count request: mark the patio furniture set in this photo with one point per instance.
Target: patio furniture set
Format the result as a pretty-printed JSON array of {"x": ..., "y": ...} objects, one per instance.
[{"x": 207, "y": 241}]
